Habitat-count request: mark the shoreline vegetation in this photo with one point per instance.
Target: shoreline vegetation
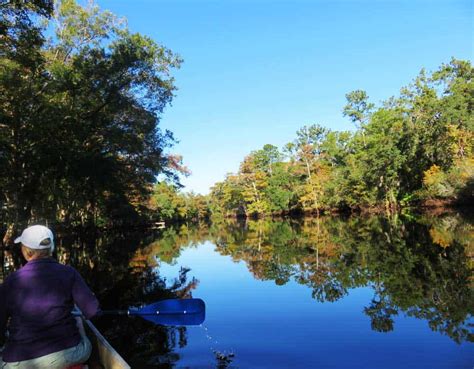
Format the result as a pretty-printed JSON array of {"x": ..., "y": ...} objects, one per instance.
[
  {"x": 81, "y": 98},
  {"x": 415, "y": 152},
  {"x": 80, "y": 143}
]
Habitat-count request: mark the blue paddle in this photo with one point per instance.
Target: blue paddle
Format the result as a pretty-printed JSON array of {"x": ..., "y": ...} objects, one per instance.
[{"x": 167, "y": 312}]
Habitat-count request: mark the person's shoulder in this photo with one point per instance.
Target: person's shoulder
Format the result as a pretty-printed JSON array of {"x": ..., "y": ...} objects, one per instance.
[
  {"x": 71, "y": 270},
  {"x": 65, "y": 272}
]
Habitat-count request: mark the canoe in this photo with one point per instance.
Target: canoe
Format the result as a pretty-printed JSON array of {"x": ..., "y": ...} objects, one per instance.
[{"x": 103, "y": 355}]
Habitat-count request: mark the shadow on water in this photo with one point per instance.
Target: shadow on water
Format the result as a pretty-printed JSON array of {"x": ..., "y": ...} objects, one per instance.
[{"x": 419, "y": 267}]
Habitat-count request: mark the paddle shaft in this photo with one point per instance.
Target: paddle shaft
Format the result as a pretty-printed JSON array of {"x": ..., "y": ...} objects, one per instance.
[
  {"x": 131, "y": 312},
  {"x": 172, "y": 312}
]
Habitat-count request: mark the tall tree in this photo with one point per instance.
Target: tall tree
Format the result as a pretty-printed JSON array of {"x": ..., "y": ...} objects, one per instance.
[
  {"x": 308, "y": 150},
  {"x": 22, "y": 80},
  {"x": 86, "y": 144},
  {"x": 358, "y": 109},
  {"x": 254, "y": 180}
]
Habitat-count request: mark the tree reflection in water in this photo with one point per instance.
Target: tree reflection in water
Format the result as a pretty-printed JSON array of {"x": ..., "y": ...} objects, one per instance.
[{"x": 422, "y": 268}]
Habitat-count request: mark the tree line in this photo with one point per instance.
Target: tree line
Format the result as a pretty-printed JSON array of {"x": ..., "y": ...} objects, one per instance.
[
  {"x": 80, "y": 102},
  {"x": 80, "y": 143},
  {"x": 413, "y": 149}
]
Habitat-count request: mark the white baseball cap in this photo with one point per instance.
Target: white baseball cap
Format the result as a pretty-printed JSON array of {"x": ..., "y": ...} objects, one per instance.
[{"x": 33, "y": 236}]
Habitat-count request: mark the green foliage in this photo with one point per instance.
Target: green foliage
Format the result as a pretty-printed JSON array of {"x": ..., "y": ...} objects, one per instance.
[
  {"x": 79, "y": 134},
  {"x": 80, "y": 139},
  {"x": 358, "y": 107},
  {"x": 169, "y": 204},
  {"x": 413, "y": 148},
  {"x": 280, "y": 193}
]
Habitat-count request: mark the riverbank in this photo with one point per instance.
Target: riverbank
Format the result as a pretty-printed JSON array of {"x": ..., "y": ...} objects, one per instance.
[{"x": 432, "y": 206}]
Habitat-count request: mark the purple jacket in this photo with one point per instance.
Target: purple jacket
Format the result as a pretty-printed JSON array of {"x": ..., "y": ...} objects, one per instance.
[{"x": 38, "y": 299}]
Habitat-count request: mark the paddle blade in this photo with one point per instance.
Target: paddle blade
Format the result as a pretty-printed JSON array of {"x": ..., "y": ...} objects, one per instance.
[{"x": 173, "y": 312}]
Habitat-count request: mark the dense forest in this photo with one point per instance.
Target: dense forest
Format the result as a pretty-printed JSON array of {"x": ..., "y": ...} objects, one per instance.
[
  {"x": 414, "y": 150},
  {"x": 80, "y": 101},
  {"x": 80, "y": 143}
]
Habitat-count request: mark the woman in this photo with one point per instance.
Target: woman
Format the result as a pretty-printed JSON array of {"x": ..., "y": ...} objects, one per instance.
[{"x": 37, "y": 300}]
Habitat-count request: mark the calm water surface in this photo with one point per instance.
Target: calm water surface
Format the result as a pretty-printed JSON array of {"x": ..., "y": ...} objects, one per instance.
[
  {"x": 357, "y": 293},
  {"x": 328, "y": 293}
]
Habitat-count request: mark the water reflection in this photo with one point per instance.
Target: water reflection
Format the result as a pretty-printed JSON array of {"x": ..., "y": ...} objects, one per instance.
[
  {"x": 422, "y": 267},
  {"x": 419, "y": 267}
]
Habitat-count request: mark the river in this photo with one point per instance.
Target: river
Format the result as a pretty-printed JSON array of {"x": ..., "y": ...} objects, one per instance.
[{"x": 358, "y": 292}]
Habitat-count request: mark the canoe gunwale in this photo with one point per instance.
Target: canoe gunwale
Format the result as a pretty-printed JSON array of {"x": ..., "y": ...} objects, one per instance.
[{"x": 102, "y": 350}]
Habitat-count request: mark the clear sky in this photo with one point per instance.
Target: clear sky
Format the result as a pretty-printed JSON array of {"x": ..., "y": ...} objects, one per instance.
[{"x": 255, "y": 71}]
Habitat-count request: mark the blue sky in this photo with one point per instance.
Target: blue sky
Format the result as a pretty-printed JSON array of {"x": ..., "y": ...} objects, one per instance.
[{"x": 255, "y": 71}]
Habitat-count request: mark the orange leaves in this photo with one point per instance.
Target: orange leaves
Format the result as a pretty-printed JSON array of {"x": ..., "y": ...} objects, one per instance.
[{"x": 175, "y": 162}]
